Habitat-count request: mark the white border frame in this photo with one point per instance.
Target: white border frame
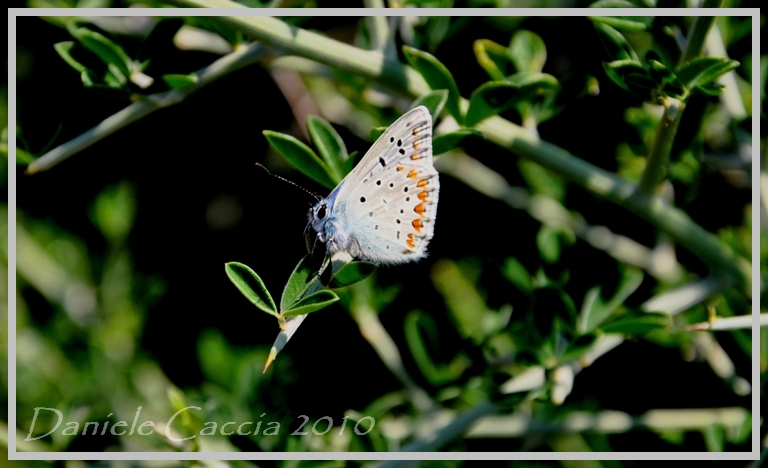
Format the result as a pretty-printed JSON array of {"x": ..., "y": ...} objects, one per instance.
[{"x": 13, "y": 13}]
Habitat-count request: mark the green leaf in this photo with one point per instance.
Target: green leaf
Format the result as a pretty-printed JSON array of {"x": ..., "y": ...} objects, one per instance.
[
  {"x": 249, "y": 283},
  {"x": 448, "y": 141},
  {"x": 704, "y": 70},
  {"x": 638, "y": 324},
  {"x": 595, "y": 311},
  {"x": 625, "y": 23},
  {"x": 548, "y": 244},
  {"x": 329, "y": 144},
  {"x": 298, "y": 283},
  {"x": 23, "y": 158},
  {"x": 578, "y": 347},
  {"x": 312, "y": 303},
  {"x": 119, "y": 78},
  {"x": 494, "y": 97},
  {"x": 105, "y": 49},
  {"x": 657, "y": 70},
  {"x": 180, "y": 81},
  {"x": 528, "y": 52},
  {"x": 615, "y": 42},
  {"x": 352, "y": 273},
  {"x": 418, "y": 324},
  {"x": 64, "y": 49},
  {"x": 301, "y": 156},
  {"x": 113, "y": 212},
  {"x": 542, "y": 180},
  {"x": 492, "y": 57},
  {"x": 516, "y": 273},
  {"x": 349, "y": 164},
  {"x": 630, "y": 75},
  {"x": 437, "y": 76},
  {"x": 89, "y": 79},
  {"x": 376, "y": 132},
  {"x": 433, "y": 101},
  {"x": 711, "y": 89}
]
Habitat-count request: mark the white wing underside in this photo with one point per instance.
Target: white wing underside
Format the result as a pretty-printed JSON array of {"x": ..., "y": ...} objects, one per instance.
[{"x": 393, "y": 193}]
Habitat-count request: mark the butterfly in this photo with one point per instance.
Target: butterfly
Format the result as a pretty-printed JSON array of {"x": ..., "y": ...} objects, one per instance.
[{"x": 384, "y": 209}]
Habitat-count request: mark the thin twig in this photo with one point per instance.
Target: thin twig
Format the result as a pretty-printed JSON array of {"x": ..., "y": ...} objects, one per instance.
[
  {"x": 698, "y": 34},
  {"x": 728, "y": 323},
  {"x": 683, "y": 298},
  {"x": 404, "y": 79},
  {"x": 149, "y": 104}
]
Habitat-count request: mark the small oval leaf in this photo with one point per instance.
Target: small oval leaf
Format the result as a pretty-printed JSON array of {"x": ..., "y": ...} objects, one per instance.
[
  {"x": 301, "y": 157},
  {"x": 548, "y": 242},
  {"x": 312, "y": 303},
  {"x": 64, "y": 50},
  {"x": 492, "y": 57},
  {"x": 516, "y": 273},
  {"x": 638, "y": 324},
  {"x": 490, "y": 99},
  {"x": 448, "y": 141},
  {"x": 179, "y": 81},
  {"x": 437, "y": 76},
  {"x": 376, "y": 132},
  {"x": 298, "y": 283},
  {"x": 329, "y": 144},
  {"x": 704, "y": 70},
  {"x": 527, "y": 51},
  {"x": 105, "y": 49},
  {"x": 497, "y": 96},
  {"x": 433, "y": 101},
  {"x": 615, "y": 42},
  {"x": 249, "y": 283},
  {"x": 352, "y": 273},
  {"x": 578, "y": 347}
]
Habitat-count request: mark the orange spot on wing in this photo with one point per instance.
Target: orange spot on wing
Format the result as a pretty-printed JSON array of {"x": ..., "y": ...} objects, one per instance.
[
  {"x": 417, "y": 224},
  {"x": 412, "y": 174},
  {"x": 400, "y": 168},
  {"x": 422, "y": 183},
  {"x": 416, "y": 144},
  {"x": 420, "y": 208},
  {"x": 411, "y": 242},
  {"x": 416, "y": 156},
  {"x": 423, "y": 195},
  {"x": 415, "y": 131}
]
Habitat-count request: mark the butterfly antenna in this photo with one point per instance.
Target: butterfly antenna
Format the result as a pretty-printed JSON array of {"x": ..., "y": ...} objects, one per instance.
[{"x": 313, "y": 195}]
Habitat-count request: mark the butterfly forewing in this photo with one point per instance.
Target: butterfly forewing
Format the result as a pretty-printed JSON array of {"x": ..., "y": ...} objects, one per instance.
[{"x": 390, "y": 199}]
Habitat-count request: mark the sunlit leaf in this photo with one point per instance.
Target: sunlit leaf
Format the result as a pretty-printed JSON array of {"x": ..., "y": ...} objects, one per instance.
[
  {"x": 249, "y": 283},
  {"x": 301, "y": 156}
]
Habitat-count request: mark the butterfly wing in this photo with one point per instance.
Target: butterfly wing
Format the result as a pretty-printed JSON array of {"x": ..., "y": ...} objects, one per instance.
[{"x": 389, "y": 201}]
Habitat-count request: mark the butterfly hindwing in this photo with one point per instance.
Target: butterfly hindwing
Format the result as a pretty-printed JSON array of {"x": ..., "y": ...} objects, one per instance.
[{"x": 389, "y": 201}]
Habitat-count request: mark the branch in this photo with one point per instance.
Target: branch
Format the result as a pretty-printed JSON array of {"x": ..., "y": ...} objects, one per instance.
[
  {"x": 147, "y": 105},
  {"x": 728, "y": 323},
  {"x": 405, "y": 80},
  {"x": 698, "y": 33}
]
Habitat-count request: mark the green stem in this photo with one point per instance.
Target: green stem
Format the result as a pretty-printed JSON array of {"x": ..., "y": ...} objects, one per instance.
[
  {"x": 405, "y": 80},
  {"x": 658, "y": 158},
  {"x": 147, "y": 105},
  {"x": 698, "y": 33}
]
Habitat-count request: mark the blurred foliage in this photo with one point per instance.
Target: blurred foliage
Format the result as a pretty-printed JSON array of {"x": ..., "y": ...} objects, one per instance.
[{"x": 493, "y": 357}]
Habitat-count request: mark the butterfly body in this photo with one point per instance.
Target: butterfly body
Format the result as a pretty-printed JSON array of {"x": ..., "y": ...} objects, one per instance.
[{"x": 384, "y": 210}]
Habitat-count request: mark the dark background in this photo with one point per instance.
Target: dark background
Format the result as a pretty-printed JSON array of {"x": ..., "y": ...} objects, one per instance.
[{"x": 181, "y": 159}]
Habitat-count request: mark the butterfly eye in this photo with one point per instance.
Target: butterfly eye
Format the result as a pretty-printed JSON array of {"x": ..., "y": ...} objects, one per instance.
[{"x": 322, "y": 212}]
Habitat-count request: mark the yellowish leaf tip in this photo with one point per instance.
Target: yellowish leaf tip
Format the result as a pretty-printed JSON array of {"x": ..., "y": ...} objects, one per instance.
[{"x": 272, "y": 356}]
